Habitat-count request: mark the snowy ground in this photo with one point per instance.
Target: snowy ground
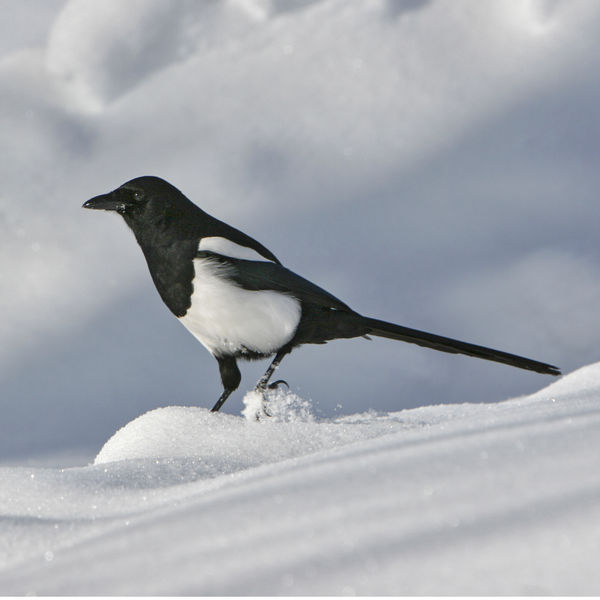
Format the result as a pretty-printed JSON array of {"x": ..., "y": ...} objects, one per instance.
[
  {"x": 452, "y": 499},
  {"x": 431, "y": 163}
]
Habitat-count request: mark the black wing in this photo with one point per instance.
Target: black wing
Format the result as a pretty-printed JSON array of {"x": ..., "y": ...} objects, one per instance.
[{"x": 259, "y": 275}]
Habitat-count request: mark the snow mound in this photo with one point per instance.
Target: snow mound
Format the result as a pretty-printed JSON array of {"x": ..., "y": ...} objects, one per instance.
[
  {"x": 219, "y": 443},
  {"x": 187, "y": 502},
  {"x": 583, "y": 382},
  {"x": 223, "y": 443}
]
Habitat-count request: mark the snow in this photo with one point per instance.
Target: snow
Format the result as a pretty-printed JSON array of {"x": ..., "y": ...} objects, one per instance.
[
  {"x": 451, "y": 499},
  {"x": 430, "y": 163}
]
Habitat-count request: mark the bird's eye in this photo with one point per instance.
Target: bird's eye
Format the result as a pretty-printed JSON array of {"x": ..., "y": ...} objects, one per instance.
[{"x": 138, "y": 196}]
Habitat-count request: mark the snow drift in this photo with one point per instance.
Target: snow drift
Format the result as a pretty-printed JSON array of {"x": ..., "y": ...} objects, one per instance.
[{"x": 455, "y": 499}]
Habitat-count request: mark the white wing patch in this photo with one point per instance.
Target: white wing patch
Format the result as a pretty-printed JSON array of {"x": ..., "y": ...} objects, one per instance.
[
  {"x": 225, "y": 247},
  {"x": 227, "y": 319}
]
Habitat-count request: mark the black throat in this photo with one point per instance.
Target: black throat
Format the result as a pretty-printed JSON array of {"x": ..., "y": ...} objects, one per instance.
[
  {"x": 169, "y": 233},
  {"x": 169, "y": 244}
]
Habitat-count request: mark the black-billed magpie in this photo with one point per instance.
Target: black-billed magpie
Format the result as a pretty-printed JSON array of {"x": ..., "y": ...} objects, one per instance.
[{"x": 235, "y": 296}]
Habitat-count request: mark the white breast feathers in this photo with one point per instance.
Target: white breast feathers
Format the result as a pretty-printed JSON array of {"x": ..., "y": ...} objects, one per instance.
[{"x": 228, "y": 319}]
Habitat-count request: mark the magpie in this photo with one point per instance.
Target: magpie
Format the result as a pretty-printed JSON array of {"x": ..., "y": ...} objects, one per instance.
[{"x": 236, "y": 297}]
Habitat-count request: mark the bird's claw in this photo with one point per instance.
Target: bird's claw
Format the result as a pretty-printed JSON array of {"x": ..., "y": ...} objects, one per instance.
[
  {"x": 265, "y": 412},
  {"x": 276, "y": 384}
]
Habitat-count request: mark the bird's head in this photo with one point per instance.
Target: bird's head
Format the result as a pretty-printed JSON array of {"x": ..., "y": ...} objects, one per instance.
[{"x": 145, "y": 202}]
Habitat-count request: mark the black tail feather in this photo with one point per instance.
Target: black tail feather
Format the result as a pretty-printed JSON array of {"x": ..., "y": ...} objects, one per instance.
[{"x": 444, "y": 344}]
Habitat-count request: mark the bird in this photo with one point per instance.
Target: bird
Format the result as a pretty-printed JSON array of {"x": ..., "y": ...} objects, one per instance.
[{"x": 236, "y": 297}]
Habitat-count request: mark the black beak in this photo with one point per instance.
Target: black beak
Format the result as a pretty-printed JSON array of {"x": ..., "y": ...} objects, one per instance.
[{"x": 105, "y": 202}]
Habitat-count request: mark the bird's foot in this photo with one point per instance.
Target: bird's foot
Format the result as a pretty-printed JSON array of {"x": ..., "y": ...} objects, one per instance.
[
  {"x": 263, "y": 390},
  {"x": 264, "y": 413}
]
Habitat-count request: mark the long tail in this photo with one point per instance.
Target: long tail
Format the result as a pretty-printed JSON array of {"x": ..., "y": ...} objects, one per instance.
[{"x": 444, "y": 344}]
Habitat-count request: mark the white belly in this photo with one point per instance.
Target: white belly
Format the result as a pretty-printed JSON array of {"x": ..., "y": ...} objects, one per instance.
[{"x": 228, "y": 319}]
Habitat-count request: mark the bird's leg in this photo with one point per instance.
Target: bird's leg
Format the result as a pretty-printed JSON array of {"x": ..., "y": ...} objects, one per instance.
[
  {"x": 221, "y": 400},
  {"x": 230, "y": 376},
  {"x": 263, "y": 383}
]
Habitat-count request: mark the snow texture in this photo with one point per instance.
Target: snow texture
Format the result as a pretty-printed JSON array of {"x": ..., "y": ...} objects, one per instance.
[
  {"x": 430, "y": 163},
  {"x": 451, "y": 499}
]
